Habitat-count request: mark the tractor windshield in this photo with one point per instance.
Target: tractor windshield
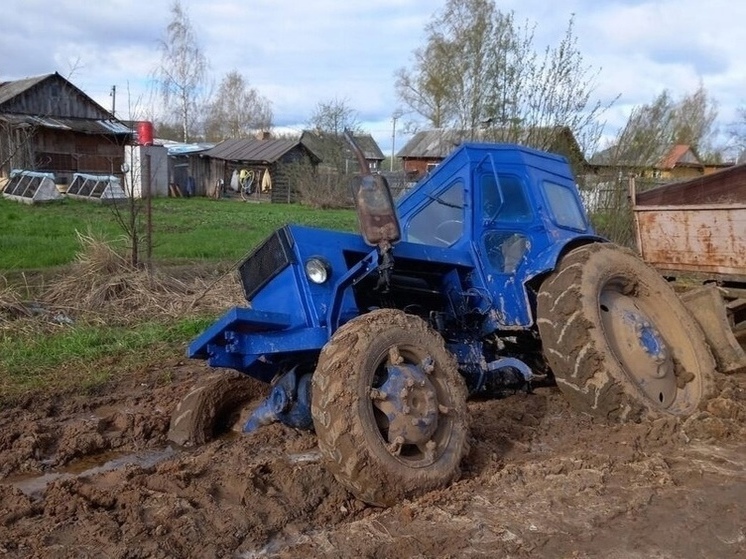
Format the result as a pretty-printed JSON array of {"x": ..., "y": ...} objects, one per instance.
[{"x": 441, "y": 221}]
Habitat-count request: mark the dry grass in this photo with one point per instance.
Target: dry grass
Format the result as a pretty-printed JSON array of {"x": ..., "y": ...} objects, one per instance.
[
  {"x": 101, "y": 286},
  {"x": 11, "y": 303}
]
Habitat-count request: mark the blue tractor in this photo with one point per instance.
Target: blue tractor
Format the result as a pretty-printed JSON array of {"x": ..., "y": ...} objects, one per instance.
[{"x": 484, "y": 279}]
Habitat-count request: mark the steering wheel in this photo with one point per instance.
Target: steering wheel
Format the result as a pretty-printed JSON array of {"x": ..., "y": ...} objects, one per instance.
[{"x": 449, "y": 231}]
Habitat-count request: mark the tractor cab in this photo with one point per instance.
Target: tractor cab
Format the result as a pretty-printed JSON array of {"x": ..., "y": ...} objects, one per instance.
[{"x": 514, "y": 209}]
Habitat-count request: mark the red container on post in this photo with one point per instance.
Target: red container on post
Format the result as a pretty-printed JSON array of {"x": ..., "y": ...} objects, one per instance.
[{"x": 145, "y": 133}]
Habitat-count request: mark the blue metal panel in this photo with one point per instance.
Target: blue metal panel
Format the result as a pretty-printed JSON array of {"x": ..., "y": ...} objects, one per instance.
[
  {"x": 236, "y": 319},
  {"x": 274, "y": 342}
]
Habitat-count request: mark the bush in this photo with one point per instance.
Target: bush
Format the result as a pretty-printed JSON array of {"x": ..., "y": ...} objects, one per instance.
[{"x": 321, "y": 188}]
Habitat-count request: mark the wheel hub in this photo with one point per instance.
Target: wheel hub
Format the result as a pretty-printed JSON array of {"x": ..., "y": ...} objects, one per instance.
[
  {"x": 409, "y": 401},
  {"x": 639, "y": 347}
]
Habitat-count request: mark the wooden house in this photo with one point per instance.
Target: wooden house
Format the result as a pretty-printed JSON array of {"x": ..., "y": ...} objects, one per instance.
[
  {"x": 336, "y": 153},
  {"x": 47, "y": 124},
  {"x": 272, "y": 162},
  {"x": 427, "y": 148},
  {"x": 664, "y": 164}
]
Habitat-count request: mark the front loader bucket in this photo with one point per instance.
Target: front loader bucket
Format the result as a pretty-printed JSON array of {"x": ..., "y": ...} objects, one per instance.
[{"x": 709, "y": 308}]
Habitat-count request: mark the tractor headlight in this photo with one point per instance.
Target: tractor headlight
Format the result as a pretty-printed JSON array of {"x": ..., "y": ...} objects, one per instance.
[{"x": 317, "y": 270}]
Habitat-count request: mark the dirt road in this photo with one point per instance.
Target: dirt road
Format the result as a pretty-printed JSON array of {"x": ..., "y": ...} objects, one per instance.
[{"x": 96, "y": 477}]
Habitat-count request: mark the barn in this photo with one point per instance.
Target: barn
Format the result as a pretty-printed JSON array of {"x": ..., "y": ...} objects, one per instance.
[{"x": 49, "y": 125}]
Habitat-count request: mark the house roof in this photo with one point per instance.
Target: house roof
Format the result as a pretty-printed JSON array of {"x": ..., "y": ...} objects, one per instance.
[
  {"x": 320, "y": 143},
  {"x": 86, "y": 126},
  {"x": 664, "y": 157},
  {"x": 437, "y": 143},
  {"x": 10, "y": 90},
  {"x": 432, "y": 144},
  {"x": 679, "y": 155},
  {"x": 253, "y": 150}
]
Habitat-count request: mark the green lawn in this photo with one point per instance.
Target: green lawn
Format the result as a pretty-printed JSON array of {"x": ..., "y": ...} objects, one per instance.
[
  {"x": 184, "y": 229},
  {"x": 85, "y": 356}
]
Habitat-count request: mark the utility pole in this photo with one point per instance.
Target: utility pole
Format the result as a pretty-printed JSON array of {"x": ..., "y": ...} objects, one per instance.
[
  {"x": 113, "y": 99},
  {"x": 394, "y": 117}
]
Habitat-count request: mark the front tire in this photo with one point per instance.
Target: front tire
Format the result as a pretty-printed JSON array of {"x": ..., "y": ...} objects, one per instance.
[
  {"x": 210, "y": 407},
  {"x": 620, "y": 342},
  {"x": 389, "y": 408}
]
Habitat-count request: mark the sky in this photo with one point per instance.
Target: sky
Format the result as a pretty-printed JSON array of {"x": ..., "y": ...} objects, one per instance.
[{"x": 299, "y": 53}]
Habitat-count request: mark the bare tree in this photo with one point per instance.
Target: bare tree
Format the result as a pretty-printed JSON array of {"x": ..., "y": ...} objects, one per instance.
[
  {"x": 183, "y": 69},
  {"x": 641, "y": 144},
  {"x": 333, "y": 117},
  {"x": 237, "y": 111},
  {"x": 328, "y": 186},
  {"x": 737, "y": 132},
  {"x": 695, "y": 119},
  {"x": 427, "y": 92},
  {"x": 479, "y": 70},
  {"x": 654, "y": 127}
]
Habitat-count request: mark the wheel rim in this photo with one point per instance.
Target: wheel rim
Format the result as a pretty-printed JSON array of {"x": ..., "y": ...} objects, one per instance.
[
  {"x": 410, "y": 406},
  {"x": 639, "y": 347}
]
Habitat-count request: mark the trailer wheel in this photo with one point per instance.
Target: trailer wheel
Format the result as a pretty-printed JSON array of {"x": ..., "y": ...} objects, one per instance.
[
  {"x": 389, "y": 408},
  {"x": 210, "y": 407},
  {"x": 620, "y": 342}
]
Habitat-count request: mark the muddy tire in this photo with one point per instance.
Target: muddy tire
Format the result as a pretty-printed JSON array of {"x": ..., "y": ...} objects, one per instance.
[
  {"x": 619, "y": 341},
  {"x": 209, "y": 408},
  {"x": 358, "y": 408}
]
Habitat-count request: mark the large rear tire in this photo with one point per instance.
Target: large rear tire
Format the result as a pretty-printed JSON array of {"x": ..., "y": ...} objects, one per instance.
[
  {"x": 389, "y": 408},
  {"x": 620, "y": 342}
]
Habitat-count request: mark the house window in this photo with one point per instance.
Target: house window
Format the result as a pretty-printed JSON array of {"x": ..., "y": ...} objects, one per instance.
[{"x": 431, "y": 166}]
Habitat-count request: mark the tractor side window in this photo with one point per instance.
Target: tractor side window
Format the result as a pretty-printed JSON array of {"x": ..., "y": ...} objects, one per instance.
[
  {"x": 564, "y": 206},
  {"x": 441, "y": 222},
  {"x": 504, "y": 200}
]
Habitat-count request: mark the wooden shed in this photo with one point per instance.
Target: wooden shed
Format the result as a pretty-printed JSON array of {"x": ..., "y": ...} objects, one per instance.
[
  {"x": 427, "y": 148},
  {"x": 47, "y": 124},
  {"x": 335, "y": 151},
  {"x": 271, "y": 161}
]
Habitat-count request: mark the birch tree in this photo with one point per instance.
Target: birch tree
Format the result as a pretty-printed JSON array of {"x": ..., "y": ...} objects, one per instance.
[
  {"x": 479, "y": 72},
  {"x": 237, "y": 111},
  {"x": 182, "y": 73}
]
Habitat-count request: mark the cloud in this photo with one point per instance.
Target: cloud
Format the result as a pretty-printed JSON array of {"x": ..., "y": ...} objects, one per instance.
[{"x": 300, "y": 53}]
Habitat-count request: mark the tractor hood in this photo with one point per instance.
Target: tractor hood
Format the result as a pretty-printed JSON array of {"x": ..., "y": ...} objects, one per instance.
[{"x": 301, "y": 284}]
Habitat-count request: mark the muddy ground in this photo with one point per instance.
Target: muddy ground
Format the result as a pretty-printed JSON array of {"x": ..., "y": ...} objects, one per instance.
[{"x": 96, "y": 477}]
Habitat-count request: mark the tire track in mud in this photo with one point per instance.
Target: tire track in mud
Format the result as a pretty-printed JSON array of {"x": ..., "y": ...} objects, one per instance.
[{"x": 540, "y": 481}]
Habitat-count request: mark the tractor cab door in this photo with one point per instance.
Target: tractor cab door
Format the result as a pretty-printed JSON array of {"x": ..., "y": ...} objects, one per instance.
[{"x": 502, "y": 234}]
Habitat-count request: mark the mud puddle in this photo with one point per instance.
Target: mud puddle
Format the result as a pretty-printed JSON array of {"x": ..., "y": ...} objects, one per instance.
[{"x": 35, "y": 485}]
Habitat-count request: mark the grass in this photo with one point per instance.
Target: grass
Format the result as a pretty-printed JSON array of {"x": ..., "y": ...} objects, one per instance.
[
  {"x": 39, "y": 358},
  {"x": 83, "y": 357},
  {"x": 39, "y": 236}
]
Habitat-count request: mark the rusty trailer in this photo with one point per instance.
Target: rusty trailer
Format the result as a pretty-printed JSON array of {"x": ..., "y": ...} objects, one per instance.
[
  {"x": 707, "y": 239},
  {"x": 697, "y": 228}
]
